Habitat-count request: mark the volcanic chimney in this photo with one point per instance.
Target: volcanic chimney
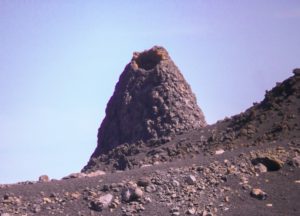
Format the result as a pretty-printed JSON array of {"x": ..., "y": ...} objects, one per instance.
[{"x": 152, "y": 100}]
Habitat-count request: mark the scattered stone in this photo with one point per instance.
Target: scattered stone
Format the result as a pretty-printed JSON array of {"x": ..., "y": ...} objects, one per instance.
[
  {"x": 191, "y": 179},
  {"x": 75, "y": 195},
  {"x": 260, "y": 168},
  {"x": 43, "y": 178},
  {"x": 175, "y": 183},
  {"x": 143, "y": 182},
  {"x": 82, "y": 175},
  {"x": 74, "y": 175},
  {"x": 47, "y": 200},
  {"x": 219, "y": 151},
  {"x": 105, "y": 187},
  {"x": 138, "y": 193},
  {"x": 131, "y": 194},
  {"x": 175, "y": 211},
  {"x": 102, "y": 202},
  {"x": 36, "y": 208},
  {"x": 258, "y": 194},
  {"x": 191, "y": 211},
  {"x": 126, "y": 195},
  {"x": 296, "y": 161},
  {"x": 269, "y": 205},
  {"x": 115, "y": 203},
  {"x": 146, "y": 165},
  {"x": 207, "y": 213},
  {"x": 150, "y": 188},
  {"x": 94, "y": 174}
]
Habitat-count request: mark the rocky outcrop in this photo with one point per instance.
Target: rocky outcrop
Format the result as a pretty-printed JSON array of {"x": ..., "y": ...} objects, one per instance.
[
  {"x": 275, "y": 118},
  {"x": 152, "y": 101}
]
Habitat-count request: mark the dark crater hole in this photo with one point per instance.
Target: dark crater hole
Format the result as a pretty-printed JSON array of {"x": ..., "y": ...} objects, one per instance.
[
  {"x": 271, "y": 165},
  {"x": 148, "y": 60}
]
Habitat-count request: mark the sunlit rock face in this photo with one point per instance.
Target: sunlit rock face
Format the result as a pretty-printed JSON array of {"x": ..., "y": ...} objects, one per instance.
[{"x": 152, "y": 100}]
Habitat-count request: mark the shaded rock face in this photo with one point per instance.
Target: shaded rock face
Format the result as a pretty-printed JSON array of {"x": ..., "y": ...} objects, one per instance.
[{"x": 152, "y": 100}]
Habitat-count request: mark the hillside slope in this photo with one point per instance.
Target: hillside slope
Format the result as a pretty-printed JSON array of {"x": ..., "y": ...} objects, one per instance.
[{"x": 248, "y": 164}]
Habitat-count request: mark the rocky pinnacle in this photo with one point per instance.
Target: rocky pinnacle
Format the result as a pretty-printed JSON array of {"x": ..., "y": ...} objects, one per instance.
[{"x": 151, "y": 100}]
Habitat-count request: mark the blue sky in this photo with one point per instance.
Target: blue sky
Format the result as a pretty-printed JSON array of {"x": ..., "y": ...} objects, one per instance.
[{"x": 60, "y": 60}]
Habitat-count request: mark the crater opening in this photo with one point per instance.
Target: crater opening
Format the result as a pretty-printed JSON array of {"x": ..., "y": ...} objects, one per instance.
[
  {"x": 271, "y": 164},
  {"x": 148, "y": 60}
]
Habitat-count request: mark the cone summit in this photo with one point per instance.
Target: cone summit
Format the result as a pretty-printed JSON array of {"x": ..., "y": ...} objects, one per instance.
[{"x": 152, "y": 100}]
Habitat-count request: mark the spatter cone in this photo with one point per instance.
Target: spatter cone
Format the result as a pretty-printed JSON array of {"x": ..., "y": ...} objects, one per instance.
[{"x": 151, "y": 101}]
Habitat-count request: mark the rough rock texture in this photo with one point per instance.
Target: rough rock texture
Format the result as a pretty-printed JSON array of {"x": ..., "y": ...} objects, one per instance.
[
  {"x": 275, "y": 118},
  {"x": 152, "y": 100}
]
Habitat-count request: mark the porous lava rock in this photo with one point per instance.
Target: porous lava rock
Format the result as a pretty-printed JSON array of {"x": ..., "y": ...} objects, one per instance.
[{"x": 151, "y": 101}]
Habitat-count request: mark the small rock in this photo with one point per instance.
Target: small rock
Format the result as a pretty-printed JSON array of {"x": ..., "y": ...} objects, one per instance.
[
  {"x": 145, "y": 165},
  {"x": 43, "y": 178},
  {"x": 191, "y": 180},
  {"x": 206, "y": 213},
  {"x": 96, "y": 173},
  {"x": 5, "y": 214},
  {"x": 148, "y": 199},
  {"x": 260, "y": 168},
  {"x": 102, "y": 202},
  {"x": 296, "y": 161},
  {"x": 115, "y": 203},
  {"x": 105, "y": 187},
  {"x": 74, "y": 175},
  {"x": 138, "y": 193},
  {"x": 175, "y": 211},
  {"x": 126, "y": 195},
  {"x": 269, "y": 205},
  {"x": 175, "y": 183},
  {"x": 219, "y": 151},
  {"x": 36, "y": 208},
  {"x": 150, "y": 188},
  {"x": 297, "y": 181},
  {"x": 47, "y": 200},
  {"x": 258, "y": 194},
  {"x": 191, "y": 211},
  {"x": 143, "y": 182},
  {"x": 131, "y": 194},
  {"x": 75, "y": 195}
]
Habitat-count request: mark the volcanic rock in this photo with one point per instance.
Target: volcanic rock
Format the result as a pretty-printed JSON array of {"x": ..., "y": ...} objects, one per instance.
[
  {"x": 190, "y": 179},
  {"x": 258, "y": 194},
  {"x": 296, "y": 161},
  {"x": 151, "y": 101},
  {"x": 102, "y": 202},
  {"x": 261, "y": 168},
  {"x": 43, "y": 178},
  {"x": 130, "y": 194}
]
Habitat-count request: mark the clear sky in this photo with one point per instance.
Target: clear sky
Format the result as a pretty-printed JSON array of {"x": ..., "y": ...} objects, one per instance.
[{"x": 60, "y": 60}]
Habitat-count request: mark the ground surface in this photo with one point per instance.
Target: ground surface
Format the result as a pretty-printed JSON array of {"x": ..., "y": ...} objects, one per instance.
[
  {"x": 248, "y": 164},
  {"x": 222, "y": 187}
]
